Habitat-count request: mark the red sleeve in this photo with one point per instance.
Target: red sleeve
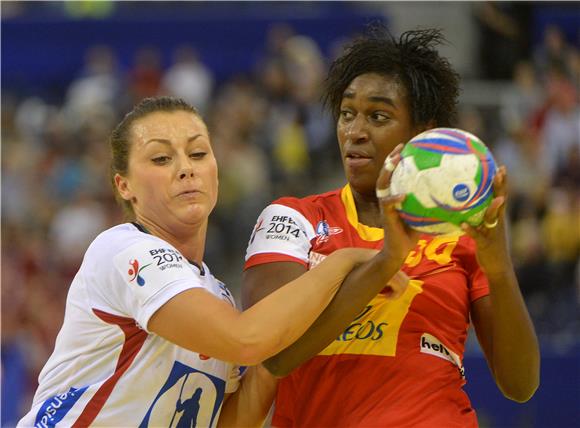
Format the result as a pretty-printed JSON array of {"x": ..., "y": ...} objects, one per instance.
[
  {"x": 478, "y": 283},
  {"x": 262, "y": 258}
]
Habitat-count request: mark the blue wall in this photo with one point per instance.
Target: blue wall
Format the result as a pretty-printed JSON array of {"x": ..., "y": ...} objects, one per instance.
[
  {"x": 41, "y": 49},
  {"x": 556, "y": 403}
]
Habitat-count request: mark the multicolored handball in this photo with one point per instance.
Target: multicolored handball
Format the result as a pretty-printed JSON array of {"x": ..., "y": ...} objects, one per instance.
[{"x": 447, "y": 175}]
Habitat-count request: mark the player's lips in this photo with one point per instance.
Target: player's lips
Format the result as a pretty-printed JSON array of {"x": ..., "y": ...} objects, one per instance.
[
  {"x": 356, "y": 158},
  {"x": 189, "y": 194}
]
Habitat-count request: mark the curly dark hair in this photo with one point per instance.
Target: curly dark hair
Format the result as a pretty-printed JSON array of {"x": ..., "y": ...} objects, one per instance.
[{"x": 431, "y": 83}]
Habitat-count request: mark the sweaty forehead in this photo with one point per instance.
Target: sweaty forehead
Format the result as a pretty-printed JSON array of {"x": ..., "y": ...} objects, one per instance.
[{"x": 167, "y": 125}]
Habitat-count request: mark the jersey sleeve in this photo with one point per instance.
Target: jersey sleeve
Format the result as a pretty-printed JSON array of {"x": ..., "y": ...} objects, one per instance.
[
  {"x": 281, "y": 233},
  {"x": 478, "y": 283},
  {"x": 234, "y": 378},
  {"x": 151, "y": 273}
]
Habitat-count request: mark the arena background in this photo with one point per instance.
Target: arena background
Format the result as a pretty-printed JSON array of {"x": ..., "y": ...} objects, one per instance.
[{"x": 254, "y": 69}]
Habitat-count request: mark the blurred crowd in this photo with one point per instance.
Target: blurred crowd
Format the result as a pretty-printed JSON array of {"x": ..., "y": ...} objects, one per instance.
[{"x": 271, "y": 138}]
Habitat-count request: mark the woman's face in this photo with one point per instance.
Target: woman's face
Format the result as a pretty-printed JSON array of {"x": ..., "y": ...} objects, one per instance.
[
  {"x": 374, "y": 119},
  {"x": 172, "y": 177}
]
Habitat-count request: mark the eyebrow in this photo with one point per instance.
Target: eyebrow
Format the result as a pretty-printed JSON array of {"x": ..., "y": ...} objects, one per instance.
[
  {"x": 373, "y": 98},
  {"x": 164, "y": 141}
]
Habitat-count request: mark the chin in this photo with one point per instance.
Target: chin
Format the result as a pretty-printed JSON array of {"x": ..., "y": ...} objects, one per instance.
[
  {"x": 362, "y": 185},
  {"x": 194, "y": 216}
]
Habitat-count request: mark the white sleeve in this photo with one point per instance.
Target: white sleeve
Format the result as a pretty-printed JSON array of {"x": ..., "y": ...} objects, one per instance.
[
  {"x": 234, "y": 378},
  {"x": 152, "y": 273},
  {"x": 283, "y": 230}
]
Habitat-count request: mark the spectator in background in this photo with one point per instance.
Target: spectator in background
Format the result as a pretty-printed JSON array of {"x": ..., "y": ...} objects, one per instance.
[
  {"x": 560, "y": 131},
  {"x": 74, "y": 227},
  {"x": 243, "y": 108},
  {"x": 146, "y": 73},
  {"x": 561, "y": 237},
  {"x": 522, "y": 100},
  {"x": 97, "y": 88},
  {"x": 189, "y": 78},
  {"x": 520, "y": 150},
  {"x": 297, "y": 131},
  {"x": 305, "y": 69},
  {"x": 503, "y": 37},
  {"x": 556, "y": 52}
]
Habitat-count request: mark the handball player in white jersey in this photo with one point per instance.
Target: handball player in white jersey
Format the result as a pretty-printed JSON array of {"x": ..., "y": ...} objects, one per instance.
[{"x": 150, "y": 337}]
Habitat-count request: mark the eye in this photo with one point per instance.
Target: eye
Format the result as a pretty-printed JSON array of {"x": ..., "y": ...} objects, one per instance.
[
  {"x": 380, "y": 116},
  {"x": 160, "y": 160},
  {"x": 198, "y": 155},
  {"x": 346, "y": 114}
]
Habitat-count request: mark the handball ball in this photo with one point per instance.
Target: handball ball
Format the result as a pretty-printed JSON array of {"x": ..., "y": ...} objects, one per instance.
[{"x": 447, "y": 175}]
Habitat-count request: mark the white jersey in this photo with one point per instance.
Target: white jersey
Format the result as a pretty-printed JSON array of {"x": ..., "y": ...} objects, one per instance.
[{"x": 107, "y": 369}]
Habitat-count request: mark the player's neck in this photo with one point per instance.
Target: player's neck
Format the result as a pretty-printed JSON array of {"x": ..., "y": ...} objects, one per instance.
[
  {"x": 190, "y": 243},
  {"x": 367, "y": 209}
]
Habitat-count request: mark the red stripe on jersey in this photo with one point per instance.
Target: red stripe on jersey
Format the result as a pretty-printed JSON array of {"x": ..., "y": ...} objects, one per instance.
[
  {"x": 134, "y": 339},
  {"x": 259, "y": 259}
]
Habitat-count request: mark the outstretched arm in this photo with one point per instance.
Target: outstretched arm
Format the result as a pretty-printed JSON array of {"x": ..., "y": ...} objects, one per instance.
[
  {"x": 501, "y": 320},
  {"x": 359, "y": 287},
  {"x": 264, "y": 329}
]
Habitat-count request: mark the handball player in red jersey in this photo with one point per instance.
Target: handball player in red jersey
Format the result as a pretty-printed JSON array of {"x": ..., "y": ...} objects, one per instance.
[{"x": 378, "y": 356}]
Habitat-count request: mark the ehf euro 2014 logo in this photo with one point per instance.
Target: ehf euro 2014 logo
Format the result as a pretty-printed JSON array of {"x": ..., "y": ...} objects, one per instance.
[
  {"x": 257, "y": 228},
  {"x": 324, "y": 232},
  {"x": 134, "y": 272}
]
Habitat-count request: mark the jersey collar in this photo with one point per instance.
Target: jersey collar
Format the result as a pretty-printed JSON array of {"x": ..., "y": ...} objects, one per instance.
[{"x": 366, "y": 233}]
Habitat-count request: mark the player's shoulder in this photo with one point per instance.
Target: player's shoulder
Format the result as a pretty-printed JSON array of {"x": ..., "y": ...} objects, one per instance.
[
  {"x": 310, "y": 203},
  {"x": 119, "y": 238}
]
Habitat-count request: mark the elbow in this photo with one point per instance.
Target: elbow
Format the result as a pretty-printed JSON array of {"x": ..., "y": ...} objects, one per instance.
[
  {"x": 523, "y": 389},
  {"x": 249, "y": 354},
  {"x": 520, "y": 380},
  {"x": 521, "y": 394}
]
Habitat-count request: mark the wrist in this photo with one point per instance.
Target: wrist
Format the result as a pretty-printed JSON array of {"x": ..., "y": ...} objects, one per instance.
[{"x": 388, "y": 264}]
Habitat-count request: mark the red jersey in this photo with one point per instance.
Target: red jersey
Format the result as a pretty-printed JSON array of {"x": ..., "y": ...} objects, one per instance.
[{"x": 399, "y": 363}]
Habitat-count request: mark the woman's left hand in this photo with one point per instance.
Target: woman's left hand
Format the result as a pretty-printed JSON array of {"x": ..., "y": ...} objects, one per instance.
[{"x": 490, "y": 236}]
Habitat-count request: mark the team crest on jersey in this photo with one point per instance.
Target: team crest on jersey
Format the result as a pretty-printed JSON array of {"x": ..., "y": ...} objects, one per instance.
[
  {"x": 195, "y": 396},
  {"x": 134, "y": 272},
  {"x": 324, "y": 232},
  {"x": 225, "y": 293}
]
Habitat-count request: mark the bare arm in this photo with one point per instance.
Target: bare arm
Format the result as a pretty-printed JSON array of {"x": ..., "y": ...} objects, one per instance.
[
  {"x": 359, "y": 287},
  {"x": 264, "y": 329},
  {"x": 501, "y": 320},
  {"x": 249, "y": 405}
]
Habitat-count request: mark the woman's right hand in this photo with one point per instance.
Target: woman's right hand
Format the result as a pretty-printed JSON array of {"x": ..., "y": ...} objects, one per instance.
[{"x": 399, "y": 238}]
